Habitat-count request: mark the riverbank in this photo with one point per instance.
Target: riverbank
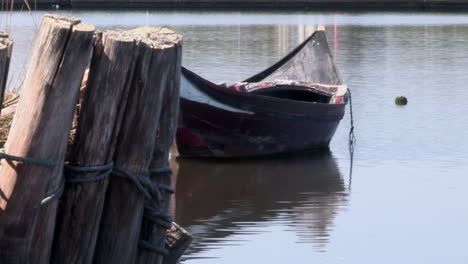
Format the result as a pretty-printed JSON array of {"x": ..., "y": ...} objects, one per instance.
[{"x": 256, "y": 4}]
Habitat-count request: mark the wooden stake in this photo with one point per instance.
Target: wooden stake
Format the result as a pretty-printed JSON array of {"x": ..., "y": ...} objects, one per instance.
[
  {"x": 101, "y": 113},
  {"x": 177, "y": 241},
  {"x": 121, "y": 220},
  {"x": 168, "y": 122},
  {"x": 40, "y": 130},
  {"x": 6, "y": 46}
]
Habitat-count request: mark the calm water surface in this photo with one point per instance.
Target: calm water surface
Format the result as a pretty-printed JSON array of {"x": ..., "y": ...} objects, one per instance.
[{"x": 406, "y": 200}]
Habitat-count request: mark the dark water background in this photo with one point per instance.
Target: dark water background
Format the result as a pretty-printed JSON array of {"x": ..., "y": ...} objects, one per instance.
[{"x": 407, "y": 198}]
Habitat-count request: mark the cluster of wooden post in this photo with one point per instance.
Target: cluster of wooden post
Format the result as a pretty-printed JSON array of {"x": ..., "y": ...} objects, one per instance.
[
  {"x": 126, "y": 120},
  {"x": 6, "y": 46}
]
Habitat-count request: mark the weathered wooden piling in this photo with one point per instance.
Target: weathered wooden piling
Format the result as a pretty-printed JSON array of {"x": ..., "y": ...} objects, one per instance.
[
  {"x": 118, "y": 237},
  {"x": 104, "y": 101},
  {"x": 39, "y": 133},
  {"x": 6, "y": 46},
  {"x": 152, "y": 232},
  {"x": 81, "y": 39}
]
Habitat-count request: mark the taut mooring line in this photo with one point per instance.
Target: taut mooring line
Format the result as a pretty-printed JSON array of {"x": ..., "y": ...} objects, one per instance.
[{"x": 351, "y": 140}]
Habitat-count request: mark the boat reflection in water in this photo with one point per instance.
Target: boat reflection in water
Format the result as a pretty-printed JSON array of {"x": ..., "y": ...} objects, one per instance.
[{"x": 219, "y": 199}]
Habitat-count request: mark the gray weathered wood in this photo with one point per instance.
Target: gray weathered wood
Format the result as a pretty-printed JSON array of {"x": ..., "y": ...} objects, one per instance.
[
  {"x": 76, "y": 58},
  {"x": 40, "y": 130},
  {"x": 6, "y": 46},
  {"x": 99, "y": 122},
  {"x": 168, "y": 122},
  {"x": 122, "y": 215}
]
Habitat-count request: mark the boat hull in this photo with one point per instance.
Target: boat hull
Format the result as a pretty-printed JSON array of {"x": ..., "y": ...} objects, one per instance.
[{"x": 207, "y": 131}]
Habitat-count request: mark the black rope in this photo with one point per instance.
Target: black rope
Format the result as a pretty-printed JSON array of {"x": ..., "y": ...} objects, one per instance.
[
  {"x": 142, "y": 182},
  {"x": 152, "y": 193},
  {"x": 166, "y": 188},
  {"x": 105, "y": 170},
  {"x": 151, "y": 190},
  {"x": 40, "y": 162},
  {"x": 352, "y": 137},
  {"x": 162, "y": 170},
  {"x": 158, "y": 216},
  {"x": 55, "y": 195},
  {"x": 27, "y": 160},
  {"x": 352, "y": 140}
]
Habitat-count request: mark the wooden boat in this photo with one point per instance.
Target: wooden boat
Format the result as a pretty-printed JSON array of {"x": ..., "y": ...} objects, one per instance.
[{"x": 296, "y": 104}]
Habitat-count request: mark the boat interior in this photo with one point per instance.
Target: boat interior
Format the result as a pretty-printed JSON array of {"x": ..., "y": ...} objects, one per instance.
[{"x": 293, "y": 93}]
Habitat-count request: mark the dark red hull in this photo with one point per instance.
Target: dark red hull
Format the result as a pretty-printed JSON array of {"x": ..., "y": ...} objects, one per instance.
[
  {"x": 206, "y": 131},
  {"x": 220, "y": 122}
]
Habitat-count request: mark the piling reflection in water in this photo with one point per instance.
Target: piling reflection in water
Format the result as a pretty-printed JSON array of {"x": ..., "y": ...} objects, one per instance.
[{"x": 216, "y": 200}]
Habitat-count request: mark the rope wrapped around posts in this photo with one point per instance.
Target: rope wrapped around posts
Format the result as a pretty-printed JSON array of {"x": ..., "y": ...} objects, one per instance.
[
  {"x": 39, "y": 162},
  {"x": 105, "y": 170},
  {"x": 152, "y": 192},
  {"x": 163, "y": 170},
  {"x": 33, "y": 161},
  {"x": 156, "y": 215},
  {"x": 55, "y": 195}
]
